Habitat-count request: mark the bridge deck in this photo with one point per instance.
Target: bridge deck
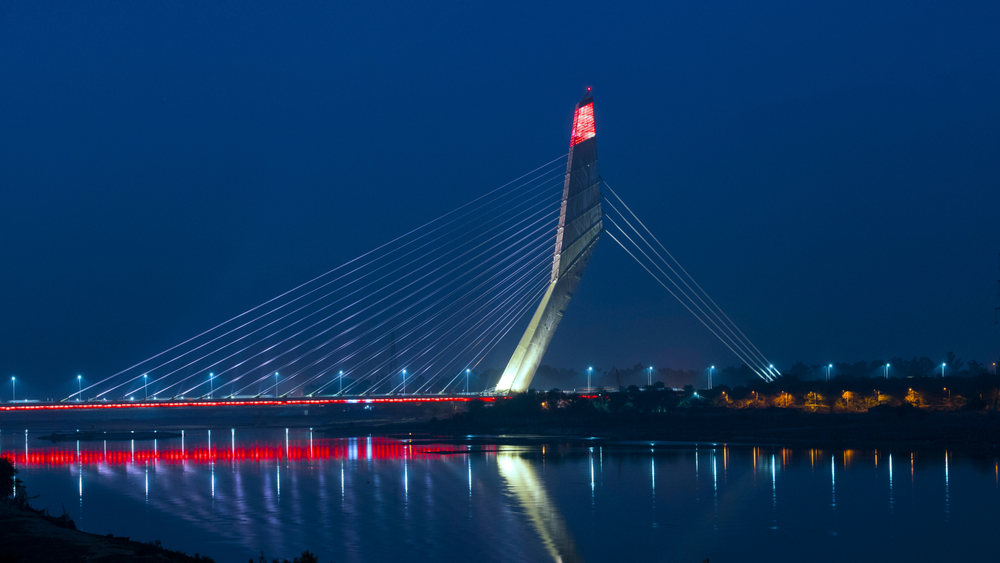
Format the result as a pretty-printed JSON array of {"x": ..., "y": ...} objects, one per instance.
[{"x": 243, "y": 401}]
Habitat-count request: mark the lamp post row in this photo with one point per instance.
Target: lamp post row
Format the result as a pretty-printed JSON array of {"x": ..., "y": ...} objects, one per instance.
[{"x": 590, "y": 370}]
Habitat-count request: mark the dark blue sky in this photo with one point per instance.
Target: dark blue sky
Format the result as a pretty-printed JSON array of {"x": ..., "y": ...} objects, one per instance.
[{"x": 828, "y": 171}]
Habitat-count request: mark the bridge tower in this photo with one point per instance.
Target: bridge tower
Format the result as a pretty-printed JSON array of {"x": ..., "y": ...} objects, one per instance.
[{"x": 579, "y": 228}]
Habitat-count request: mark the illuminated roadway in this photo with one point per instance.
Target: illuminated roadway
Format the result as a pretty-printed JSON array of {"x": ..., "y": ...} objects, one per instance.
[{"x": 240, "y": 402}]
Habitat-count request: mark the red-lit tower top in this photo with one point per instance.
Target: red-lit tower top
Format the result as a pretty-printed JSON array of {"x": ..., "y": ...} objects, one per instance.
[{"x": 583, "y": 120}]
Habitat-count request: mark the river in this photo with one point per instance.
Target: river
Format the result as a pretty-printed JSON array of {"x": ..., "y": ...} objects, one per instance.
[{"x": 231, "y": 494}]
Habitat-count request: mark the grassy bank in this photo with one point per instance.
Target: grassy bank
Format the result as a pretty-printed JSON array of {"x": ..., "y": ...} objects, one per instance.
[{"x": 31, "y": 535}]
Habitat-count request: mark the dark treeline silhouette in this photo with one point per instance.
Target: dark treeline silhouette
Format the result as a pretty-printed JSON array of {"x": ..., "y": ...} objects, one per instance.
[
  {"x": 898, "y": 367},
  {"x": 548, "y": 377}
]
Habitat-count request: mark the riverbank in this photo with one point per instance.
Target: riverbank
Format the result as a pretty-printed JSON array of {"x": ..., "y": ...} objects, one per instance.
[{"x": 30, "y": 536}]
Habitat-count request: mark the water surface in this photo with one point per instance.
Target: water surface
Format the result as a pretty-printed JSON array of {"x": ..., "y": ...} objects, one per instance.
[{"x": 231, "y": 494}]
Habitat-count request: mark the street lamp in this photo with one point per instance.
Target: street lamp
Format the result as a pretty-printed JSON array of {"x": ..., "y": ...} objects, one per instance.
[
  {"x": 211, "y": 381},
  {"x": 13, "y": 388},
  {"x": 949, "y": 393},
  {"x": 589, "y": 372},
  {"x": 467, "y": 372},
  {"x": 79, "y": 384},
  {"x": 887, "y": 371},
  {"x": 710, "y": 370},
  {"x": 942, "y": 370},
  {"x": 649, "y": 379},
  {"x": 275, "y": 385},
  {"x": 341, "y": 382},
  {"x": 828, "y": 368},
  {"x": 145, "y": 385},
  {"x": 404, "y": 382}
]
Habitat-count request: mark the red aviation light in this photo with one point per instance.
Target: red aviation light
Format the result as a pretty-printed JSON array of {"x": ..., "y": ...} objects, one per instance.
[{"x": 583, "y": 124}]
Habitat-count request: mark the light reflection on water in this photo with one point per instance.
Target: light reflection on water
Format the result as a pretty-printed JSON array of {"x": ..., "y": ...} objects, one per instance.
[{"x": 411, "y": 500}]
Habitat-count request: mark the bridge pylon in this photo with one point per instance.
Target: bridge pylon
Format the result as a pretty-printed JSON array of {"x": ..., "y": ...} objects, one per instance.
[{"x": 579, "y": 228}]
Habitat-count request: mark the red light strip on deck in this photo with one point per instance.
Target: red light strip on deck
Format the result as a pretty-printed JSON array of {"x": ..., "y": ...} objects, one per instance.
[{"x": 241, "y": 403}]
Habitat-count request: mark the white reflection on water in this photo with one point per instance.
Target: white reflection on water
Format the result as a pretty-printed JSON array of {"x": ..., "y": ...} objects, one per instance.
[
  {"x": 652, "y": 465},
  {"x": 715, "y": 493},
  {"x": 774, "y": 495},
  {"x": 542, "y": 513},
  {"x": 715, "y": 476},
  {"x": 892, "y": 505},
  {"x": 591, "y": 475},
  {"x": 833, "y": 482},
  {"x": 774, "y": 483},
  {"x": 947, "y": 498}
]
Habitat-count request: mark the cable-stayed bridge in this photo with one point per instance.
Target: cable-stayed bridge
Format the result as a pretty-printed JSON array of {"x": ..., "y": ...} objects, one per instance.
[{"x": 413, "y": 319}]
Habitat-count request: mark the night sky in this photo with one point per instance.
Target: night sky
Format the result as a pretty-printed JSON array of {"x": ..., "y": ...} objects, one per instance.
[{"x": 828, "y": 171}]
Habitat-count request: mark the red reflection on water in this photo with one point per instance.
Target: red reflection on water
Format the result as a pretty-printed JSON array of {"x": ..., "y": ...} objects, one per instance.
[{"x": 323, "y": 449}]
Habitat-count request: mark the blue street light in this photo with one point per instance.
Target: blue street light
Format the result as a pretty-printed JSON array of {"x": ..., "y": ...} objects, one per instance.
[
  {"x": 13, "y": 388},
  {"x": 467, "y": 371},
  {"x": 942, "y": 370},
  {"x": 275, "y": 385},
  {"x": 79, "y": 382},
  {"x": 145, "y": 385},
  {"x": 828, "y": 368},
  {"x": 211, "y": 380},
  {"x": 649, "y": 377},
  {"x": 590, "y": 372},
  {"x": 710, "y": 373},
  {"x": 887, "y": 371},
  {"x": 341, "y": 382},
  {"x": 404, "y": 382}
]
